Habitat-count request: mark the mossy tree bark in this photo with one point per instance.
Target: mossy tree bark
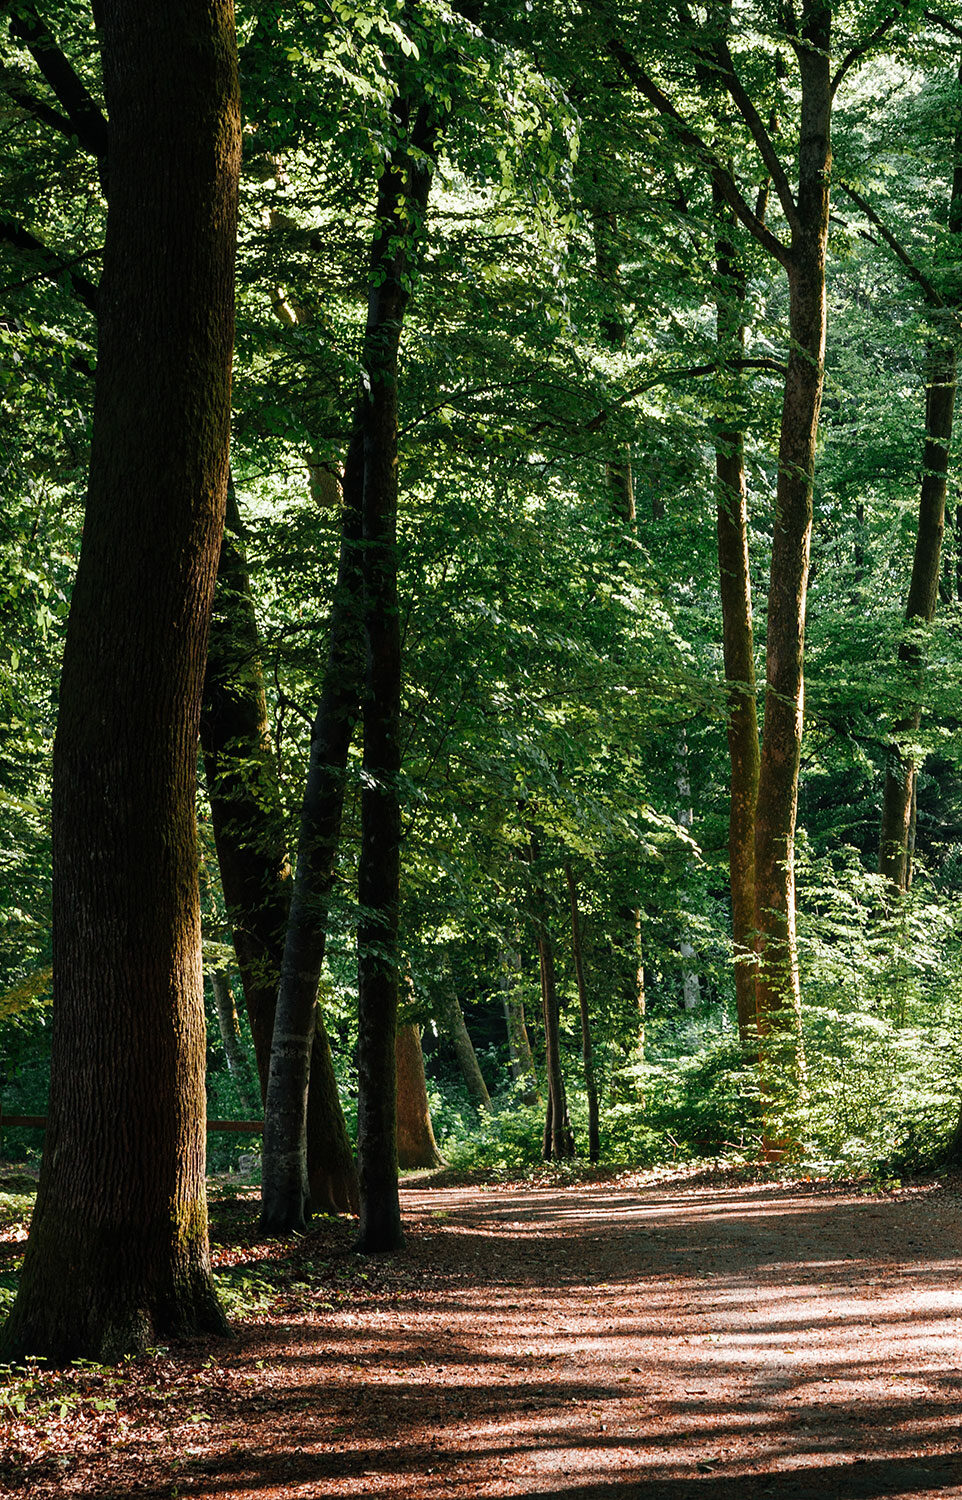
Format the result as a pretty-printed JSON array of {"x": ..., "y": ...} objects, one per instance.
[
  {"x": 778, "y": 996},
  {"x": 118, "y": 1257}
]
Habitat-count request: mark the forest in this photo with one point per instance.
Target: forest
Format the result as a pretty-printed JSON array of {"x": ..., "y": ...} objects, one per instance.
[{"x": 481, "y": 590}]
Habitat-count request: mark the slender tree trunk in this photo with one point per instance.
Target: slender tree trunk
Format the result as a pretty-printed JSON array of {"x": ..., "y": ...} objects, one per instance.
[
  {"x": 286, "y": 1190},
  {"x": 587, "y": 1058},
  {"x": 690, "y": 986},
  {"x": 416, "y": 1146},
  {"x": 558, "y": 1137},
  {"x": 245, "y": 799},
  {"x": 899, "y": 797},
  {"x": 248, "y": 822},
  {"x": 230, "y": 1036},
  {"x": 457, "y": 1034},
  {"x": 118, "y": 1257},
  {"x": 737, "y": 634},
  {"x": 778, "y": 997},
  {"x": 402, "y": 200},
  {"x": 641, "y": 1052},
  {"x": 519, "y": 1044}
]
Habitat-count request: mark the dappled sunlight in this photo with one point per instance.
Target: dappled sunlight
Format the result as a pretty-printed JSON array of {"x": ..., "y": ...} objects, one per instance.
[{"x": 587, "y": 1359}]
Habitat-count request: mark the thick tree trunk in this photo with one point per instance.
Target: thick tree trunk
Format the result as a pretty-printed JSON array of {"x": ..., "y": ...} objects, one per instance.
[
  {"x": 118, "y": 1257},
  {"x": 230, "y": 1036},
  {"x": 416, "y": 1146},
  {"x": 778, "y": 996},
  {"x": 587, "y": 1056},
  {"x": 899, "y": 796},
  {"x": 402, "y": 200},
  {"x": 452, "y": 1019},
  {"x": 737, "y": 634}
]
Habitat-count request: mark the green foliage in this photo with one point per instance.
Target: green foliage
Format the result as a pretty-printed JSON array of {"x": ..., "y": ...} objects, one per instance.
[
  {"x": 508, "y": 1139},
  {"x": 31, "y": 1393}
]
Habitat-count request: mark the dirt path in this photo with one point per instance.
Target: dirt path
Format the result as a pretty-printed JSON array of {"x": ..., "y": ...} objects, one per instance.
[{"x": 596, "y": 1341}]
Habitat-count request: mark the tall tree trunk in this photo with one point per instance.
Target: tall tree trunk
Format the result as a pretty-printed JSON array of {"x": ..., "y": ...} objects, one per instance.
[
  {"x": 519, "y": 1043},
  {"x": 737, "y": 635},
  {"x": 416, "y": 1146},
  {"x": 452, "y": 1020},
  {"x": 899, "y": 797},
  {"x": 245, "y": 798},
  {"x": 587, "y": 1057},
  {"x": 402, "y": 201},
  {"x": 118, "y": 1257},
  {"x": 559, "y": 1142},
  {"x": 230, "y": 1037},
  {"x": 286, "y": 1189},
  {"x": 690, "y": 985},
  {"x": 778, "y": 996},
  {"x": 248, "y": 821}
]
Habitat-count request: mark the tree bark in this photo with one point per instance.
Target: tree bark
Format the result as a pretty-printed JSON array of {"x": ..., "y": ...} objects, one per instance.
[
  {"x": 245, "y": 798},
  {"x": 416, "y": 1146},
  {"x": 690, "y": 985},
  {"x": 899, "y": 796},
  {"x": 737, "y": 634},
  {"x": 778, "y": 996},
  {"x": 452, "y": 1018},
  {"x": 248, "y": 821},
  {"x": 402, "y": 201},
  {"x": 230, "y": 1036},
  {"x": 587, "y": 1057},
  {"x": 286, "y": 1194},
  {"x": 286, "y": 1188},
  {"x": 118, "y": 1256},
  {"x": 559, "y": 1144},
  {"x": 519, "y": 1044}
]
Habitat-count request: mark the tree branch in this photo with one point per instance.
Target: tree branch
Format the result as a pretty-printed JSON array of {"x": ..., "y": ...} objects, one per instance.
[
  {"x": 56, "y": 268},
  {"x": 759, "y": 134},
  {"x": 87, "y": 121},
  {"x": 939, "y": 20},
  {"x": 860, "y": 50},
  {"x": 932, "y": 295},
  {"x": 646, "y": 86},
  {"x": 21, "y": 95}
]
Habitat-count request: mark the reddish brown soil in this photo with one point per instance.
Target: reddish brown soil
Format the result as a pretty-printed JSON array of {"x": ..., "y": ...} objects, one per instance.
[{"x": 611, "y": 1340}]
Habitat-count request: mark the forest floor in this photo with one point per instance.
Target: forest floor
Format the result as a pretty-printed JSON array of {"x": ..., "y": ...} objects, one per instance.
[{"x": 683, "y": 1339}]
